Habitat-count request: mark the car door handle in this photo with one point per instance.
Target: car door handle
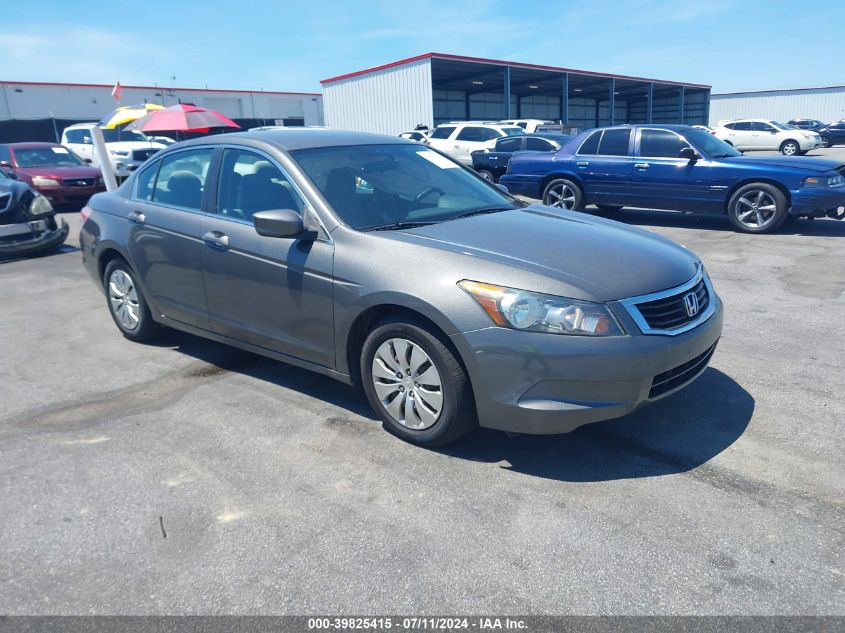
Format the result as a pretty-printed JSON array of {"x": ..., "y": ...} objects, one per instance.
[
  {"x": 216, "y": 238},
  {"x": 641, "y": 165},
  {"x": 583, "y": 163},
  {"x": 137, "y": 217}
]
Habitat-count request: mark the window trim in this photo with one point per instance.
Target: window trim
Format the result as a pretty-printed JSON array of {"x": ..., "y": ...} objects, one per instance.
[
  {"x": 134, "y": 194},
  {"x": 601, "y": 137}
]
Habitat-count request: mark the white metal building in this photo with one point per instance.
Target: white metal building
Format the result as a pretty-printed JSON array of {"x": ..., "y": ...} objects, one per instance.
[
  {"x": 436, "y": 87},
  {"x": 20, "y": 100},
  {"x": 826, "y": 104}
]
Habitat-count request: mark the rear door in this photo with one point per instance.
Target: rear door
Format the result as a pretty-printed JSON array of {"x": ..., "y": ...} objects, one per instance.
[
  {"x": 274, "y": 293},
  {"x": 664, "y": 180},
  {"x": 166, "y": 213},
  {"x": 604, "y": 165},
  {"x": 741, "y": 135}
]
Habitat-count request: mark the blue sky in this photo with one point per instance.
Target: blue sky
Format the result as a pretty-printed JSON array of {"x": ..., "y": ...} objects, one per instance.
[{"x": 249, "y": 44}]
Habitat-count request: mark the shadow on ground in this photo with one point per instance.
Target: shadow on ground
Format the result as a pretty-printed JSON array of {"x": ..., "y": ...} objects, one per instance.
[
  {"x": 670, "y": 436},
  {"x": 825, "y": 227}
]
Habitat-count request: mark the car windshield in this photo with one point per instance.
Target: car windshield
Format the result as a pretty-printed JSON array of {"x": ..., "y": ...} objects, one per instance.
[
  {"x": 394, "y": 186},
  {"x": 709, "y": 144},
  {"x": 513, "y": 131},
  {"x": 47, "y": 157},
  {"x": 117, "y": 135},
  {"x": 783, "y": 126}
]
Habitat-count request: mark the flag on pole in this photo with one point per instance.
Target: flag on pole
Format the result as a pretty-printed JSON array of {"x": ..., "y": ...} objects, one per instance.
[{"x": 116, "y": 91}]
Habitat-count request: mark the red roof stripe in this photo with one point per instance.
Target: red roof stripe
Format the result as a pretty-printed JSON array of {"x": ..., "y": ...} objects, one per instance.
[
  {"x": 499, "y": 62},
  {"x": 159, "y": 88}
]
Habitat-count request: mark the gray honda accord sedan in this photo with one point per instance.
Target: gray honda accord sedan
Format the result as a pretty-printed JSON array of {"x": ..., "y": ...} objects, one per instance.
[{"x": 388, "y": 265}]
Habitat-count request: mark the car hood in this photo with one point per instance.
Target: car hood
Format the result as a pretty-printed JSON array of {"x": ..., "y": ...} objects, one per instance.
[
  {"x": 601, "y": 259},
  {"x": 55, "y": 171},
  {"x": 807, "y": 163}
]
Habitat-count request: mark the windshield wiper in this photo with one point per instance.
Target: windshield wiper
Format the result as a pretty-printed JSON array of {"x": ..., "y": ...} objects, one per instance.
[
  {"x": 481, "y": 211},
  {"x": 395, "y": 226}
]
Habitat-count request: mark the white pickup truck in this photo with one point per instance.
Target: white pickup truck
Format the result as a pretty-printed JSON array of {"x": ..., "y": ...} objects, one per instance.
[{"x": 127, "y": 150}]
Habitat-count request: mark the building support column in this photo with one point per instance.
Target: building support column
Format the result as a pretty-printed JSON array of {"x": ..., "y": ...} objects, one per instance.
[
  {"x": 683, "y": 95},
  {"x": 507, "y": 92},
  {"x": 564, "y": 100},
  {"x": 649, "y": 103},
  {"x": 466, "y": 106},
  {"x": 612, "y": 102},
  {"x": 706, "y": 108}
]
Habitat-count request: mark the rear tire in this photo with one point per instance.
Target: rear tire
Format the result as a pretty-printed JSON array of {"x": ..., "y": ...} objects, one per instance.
[
  {"x": 790, "y": 148},
  {"x": 416, "y": 384},
  {"x": 487, "y": 175},
  {"x": 563, "y": 193},
  {"x": 757, "y": 208},
  {"x": 126, "y": 302}
]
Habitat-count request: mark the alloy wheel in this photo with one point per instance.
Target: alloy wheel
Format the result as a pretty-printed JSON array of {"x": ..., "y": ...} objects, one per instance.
[
  {"x": 407, "y": 383},
  {"x": 790, "y": 149},
  {"x": 561, "y": 197},
  {"x": 123, "y": 299},
  {"x": 755, "y": 209}
]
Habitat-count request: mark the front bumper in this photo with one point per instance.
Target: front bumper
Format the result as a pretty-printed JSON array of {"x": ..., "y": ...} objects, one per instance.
[
  {"x": 30, "y": 237},
  {"x": 539, "y": 383},
  {"x": 818, "y": 202}
]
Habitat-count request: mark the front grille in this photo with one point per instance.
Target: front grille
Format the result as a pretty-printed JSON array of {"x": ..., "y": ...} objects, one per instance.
[
  {"x": 669, "y": 313},
  {"x": 79, "y": 182},
  {"x": 143, "y": 154},
  {"x": 680, "y": 375}
]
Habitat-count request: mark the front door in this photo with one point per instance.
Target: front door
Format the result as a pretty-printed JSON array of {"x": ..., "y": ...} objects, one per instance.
[
  {"x": 664, "y": 180},
  {"x": 274, "y": 293},
  {"x": 764, "y": 136},
  {"x": 164, "y": 239}
]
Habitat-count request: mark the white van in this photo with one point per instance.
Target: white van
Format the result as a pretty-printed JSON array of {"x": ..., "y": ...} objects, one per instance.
[{"x": 127, "y": 150}]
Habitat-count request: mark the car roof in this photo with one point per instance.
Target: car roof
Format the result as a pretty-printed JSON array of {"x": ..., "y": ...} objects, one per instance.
[
  {"x": 32, "y": 145},
  {"x": 302, "y": 138}
]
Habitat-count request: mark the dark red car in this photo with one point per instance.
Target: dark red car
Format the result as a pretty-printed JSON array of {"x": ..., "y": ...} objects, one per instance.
[{"x": 53, "y": 170}]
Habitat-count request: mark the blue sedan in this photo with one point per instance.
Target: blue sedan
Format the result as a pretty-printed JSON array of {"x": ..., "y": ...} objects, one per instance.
[{"x": 681, "y": 168}]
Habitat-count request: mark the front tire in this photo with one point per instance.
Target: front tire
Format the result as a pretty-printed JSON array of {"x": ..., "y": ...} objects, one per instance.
[
  {"x": 487, "y": 175},
  {"x": 416, "y": 384},
  {"x": 563, "y": 193},
  {"x": 126, "y": 302},
  {"x": 790, "y": 148},
  {"x": 757, "y": 208}
]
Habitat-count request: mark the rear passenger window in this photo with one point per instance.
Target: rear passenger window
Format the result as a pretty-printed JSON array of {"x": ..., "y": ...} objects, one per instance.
[
  {"x": 250, "y": 183},
  {"x": 742, "y": 126},
  {"x": 538, "y": 145},
  {"x": 444, "y": 131},
  {"x": 488, "y": 134},
  {"x": 146, "y": 180},
  {"x": 181, "y": 178},
  {"x": 614, "y": 143},
  {"x": 591, "y": 145},
  {"x": 509, "y": 144},
  {"x": 472, "y": 134},
  {"x": 661, "y": 144}
]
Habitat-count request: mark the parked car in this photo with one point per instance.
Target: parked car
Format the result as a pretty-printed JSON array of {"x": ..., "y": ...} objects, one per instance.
[
  {"x": 461, "y": 139},
  {"x": 765, "y": 134},
  {"x": 681, "y": 168},
  {"x": 448, "y": 300},
  {"x": 127, "y": 150},
  {"x": 529, "y": 125},
  {"x": 419, "y": 136},
  {"x": 833, "y": 134},
  {"x": 806, "y": 124},
  {"x": 164, "y": 140},
  {"x": 492, "y": 164},
  {"x": 27, "y": 220},
  {"x": 53, "y": 170}
]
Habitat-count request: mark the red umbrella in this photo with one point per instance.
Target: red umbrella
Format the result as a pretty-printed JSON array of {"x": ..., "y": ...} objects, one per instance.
[{"x": 181, "y": 118}]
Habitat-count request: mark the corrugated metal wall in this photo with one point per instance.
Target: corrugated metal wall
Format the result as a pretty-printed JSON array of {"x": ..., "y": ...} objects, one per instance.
[
  {"x": 825, "y": 104},
  {"x": 388, "y": 101}
]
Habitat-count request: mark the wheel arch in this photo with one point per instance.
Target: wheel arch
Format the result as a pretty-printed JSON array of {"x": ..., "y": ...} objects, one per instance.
[
  {"x": 567, "y": 175},
  {"x": 750, "y": 181},
  {"x": 790, "y": 140}
]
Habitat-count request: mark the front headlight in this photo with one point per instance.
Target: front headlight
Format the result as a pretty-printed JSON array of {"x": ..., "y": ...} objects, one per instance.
[
  {"x": 832, "y": 181},
  {"x": 116, "y": 152},
  {"x": 532, "y": 311},
  {"x": 38, "y": 181},
  {"x": 40, "y": 205}
]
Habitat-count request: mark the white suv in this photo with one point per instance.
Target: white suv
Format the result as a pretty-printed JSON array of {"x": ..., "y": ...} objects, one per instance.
[
  {"x": 127, "y": 150},
  {"x": 462, "y": 138},
  {"x": 765, "y": 134}
]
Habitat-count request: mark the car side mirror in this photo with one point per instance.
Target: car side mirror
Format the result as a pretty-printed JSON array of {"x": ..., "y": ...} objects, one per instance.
[
  {"x": 278, "y": 223},
  {"x": 689, "y": 153},
  {"x": 89, "y": 161},
  {"x": 86, "y": 140}
]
